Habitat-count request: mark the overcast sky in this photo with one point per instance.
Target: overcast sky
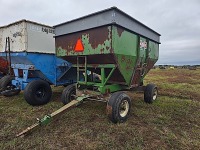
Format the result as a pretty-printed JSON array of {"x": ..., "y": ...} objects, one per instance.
[{"x": 178, "y": 21}]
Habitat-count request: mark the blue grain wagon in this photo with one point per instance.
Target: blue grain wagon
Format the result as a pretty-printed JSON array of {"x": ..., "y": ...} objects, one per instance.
[{"x": 29, "y": 50}]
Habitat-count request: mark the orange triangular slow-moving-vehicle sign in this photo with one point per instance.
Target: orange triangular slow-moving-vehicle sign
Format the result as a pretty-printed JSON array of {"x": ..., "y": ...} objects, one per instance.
[{"x": 79, "y": 46}]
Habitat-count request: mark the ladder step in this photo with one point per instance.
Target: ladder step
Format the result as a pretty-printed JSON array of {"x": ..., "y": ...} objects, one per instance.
[
  {"x": 81, "y": 65},
  {"x": 82, "y": 69}
]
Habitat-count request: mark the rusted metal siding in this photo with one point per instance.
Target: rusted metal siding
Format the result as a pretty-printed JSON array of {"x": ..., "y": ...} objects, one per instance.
[
  {"x": 98, "y": 48},
  {"x": 93, "y": 44}
]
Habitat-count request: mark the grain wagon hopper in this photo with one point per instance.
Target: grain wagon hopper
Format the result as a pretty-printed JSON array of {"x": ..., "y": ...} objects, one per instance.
[
  {"x": 27, "y": 55},
  {"x": 114, "y": 52}
]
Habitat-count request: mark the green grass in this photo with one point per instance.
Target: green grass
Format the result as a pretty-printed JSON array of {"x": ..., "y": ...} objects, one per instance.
[{"x": 171, "y": 122}]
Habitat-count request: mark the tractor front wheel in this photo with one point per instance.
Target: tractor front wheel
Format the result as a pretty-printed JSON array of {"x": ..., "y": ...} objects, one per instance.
[
  {"x": 118, "y": 107},
  {"x": 38, "y": 92}
]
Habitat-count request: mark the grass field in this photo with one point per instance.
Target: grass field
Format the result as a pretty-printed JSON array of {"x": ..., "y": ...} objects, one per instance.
[{"x": 172, "y": 122}]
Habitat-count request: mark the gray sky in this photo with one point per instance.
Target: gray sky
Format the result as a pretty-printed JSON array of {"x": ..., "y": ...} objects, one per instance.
[{"x": 178, "y": 22}]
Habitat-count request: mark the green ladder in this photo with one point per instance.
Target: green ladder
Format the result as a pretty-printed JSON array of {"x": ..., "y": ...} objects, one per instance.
[{"x": 81, "y": 67}]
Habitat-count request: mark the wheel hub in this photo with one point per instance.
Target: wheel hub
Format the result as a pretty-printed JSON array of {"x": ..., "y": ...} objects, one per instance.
[
  {"x": 124, "y": 108},
  {"x": 155, "y": 93},
  {"x": 40, "y": 93},
  {"x": 72, "y": 97}
]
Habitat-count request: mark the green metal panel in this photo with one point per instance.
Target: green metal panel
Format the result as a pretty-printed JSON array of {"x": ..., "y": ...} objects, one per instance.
[
  {"x": 153, "y": 50},
  {"x": 152, "y": 54},
  {"x": 111, "y": 88},
  {"x": 126, "y": 66},
  {"x": 143, "y": 50},
  {"x": 125, "y": 47},
  {"x": 124, "y": 42},
  {"x": 60, "y": 52}
]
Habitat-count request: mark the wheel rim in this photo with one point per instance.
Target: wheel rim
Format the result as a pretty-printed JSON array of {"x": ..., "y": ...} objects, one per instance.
[
  {"x": 72, "y": 95},
  {"x": 155, "y": 94},
  {"x": 124, "y": 108},
  {"x": 40, "y": 93}
]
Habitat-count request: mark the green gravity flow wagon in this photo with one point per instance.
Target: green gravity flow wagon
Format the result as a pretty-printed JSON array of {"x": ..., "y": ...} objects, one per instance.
[{"x": 112, "y": 53}]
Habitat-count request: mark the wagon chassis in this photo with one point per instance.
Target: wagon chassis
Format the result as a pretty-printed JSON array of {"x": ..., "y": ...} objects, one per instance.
[
  {"x": 120, "y": 51},
  {"x": 103, "y": 94}
]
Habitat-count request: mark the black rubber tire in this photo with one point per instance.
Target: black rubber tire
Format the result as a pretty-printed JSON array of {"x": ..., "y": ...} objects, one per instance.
[
  {"x": 67, "y": 94},
  {"x": 0, "y": 82},
  {"x": 5, "y": 80},
  {"x": 37, "y": 92},
  {"x": 150, "y": 93},
  {"x": 6, "y": 84},
  {"x": 114, "y": 104}
]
